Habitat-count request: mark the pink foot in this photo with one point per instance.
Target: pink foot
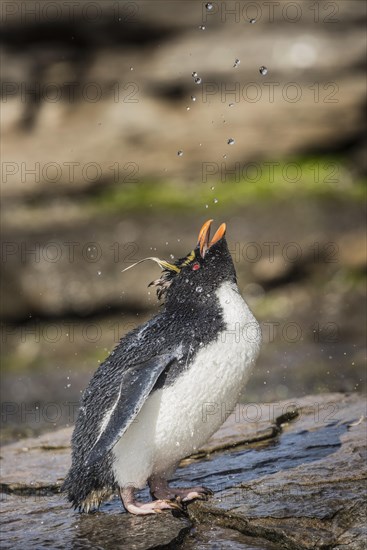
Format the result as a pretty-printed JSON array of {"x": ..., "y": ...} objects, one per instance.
[
  {"x": 192, "y": 494},
  {"x": 160, "y": 489},
  {"x": 154, "y": 507},
  {"x": 186, "y": 494},
  {"x": 144, "y": 508}
]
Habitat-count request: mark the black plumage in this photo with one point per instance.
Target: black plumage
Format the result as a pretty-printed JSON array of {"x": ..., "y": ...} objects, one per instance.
[{"x": 150, "y": 357}]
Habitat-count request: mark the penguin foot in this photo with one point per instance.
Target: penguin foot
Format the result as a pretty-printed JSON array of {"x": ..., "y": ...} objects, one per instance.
[
  {"x": 154, "y": 507},
  {"x": 160, "y": 489},
  {"x": 192, "y": 493},
  {"x": 144, "y": 508}
]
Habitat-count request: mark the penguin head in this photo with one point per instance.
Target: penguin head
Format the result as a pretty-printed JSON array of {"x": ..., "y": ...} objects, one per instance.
[{"x": 196, "y": 276}]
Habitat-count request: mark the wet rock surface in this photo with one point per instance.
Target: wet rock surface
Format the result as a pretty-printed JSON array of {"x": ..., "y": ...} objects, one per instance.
[{"x": 284, "y": 475}]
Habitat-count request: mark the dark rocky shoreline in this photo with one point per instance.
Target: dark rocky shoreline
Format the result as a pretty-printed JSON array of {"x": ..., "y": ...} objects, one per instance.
[{"x": 287, "y": 475}]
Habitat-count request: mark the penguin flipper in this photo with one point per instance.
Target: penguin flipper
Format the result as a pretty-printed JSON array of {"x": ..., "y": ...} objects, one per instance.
[{"x": 136, "y": 385}]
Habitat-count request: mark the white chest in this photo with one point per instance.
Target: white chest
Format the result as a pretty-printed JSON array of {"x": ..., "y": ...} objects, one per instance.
[
  {"x": 175, "y": 421},
  {"x": 193, "y": 408}
]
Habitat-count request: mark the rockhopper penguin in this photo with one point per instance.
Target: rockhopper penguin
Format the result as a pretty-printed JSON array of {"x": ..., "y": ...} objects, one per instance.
[{"x": 145, "y": 407}]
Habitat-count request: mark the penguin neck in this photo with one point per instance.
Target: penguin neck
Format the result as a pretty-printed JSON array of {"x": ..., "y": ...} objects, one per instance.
[
  {"x": 191, "y": 301},
  {"x": 195, "y": 298}
]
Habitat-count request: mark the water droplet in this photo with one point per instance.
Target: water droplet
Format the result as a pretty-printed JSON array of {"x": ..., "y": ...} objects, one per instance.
[
  {"x": 230, "y": 104},
  {"x": 197, "y": 80},
  {"x": 207, "y": 206},
  {"x": 263, "y": 71},
  {"x": 202, "y": 27},
  {"x": 231, "y": 141},
  {"x": 187, "y": 108},
  {"x": 209, "y": 6},
  {"x": 212, "y": 188},
  {"x": 99, "y": 272},
  {"x": 193, "y": 98},
  {"x": 172, "y": 256},
  {"x": 224, "y": 156},
  {"x": 215, "y": 201},
  {"x": 194, "y": 74},
  {"x": 236, "y": 63},
  {"x": 131, "y": 68},
  {"x": 252, "y": 21},
  {"x": 179, "y": 153},
  {"x": 68, "y": 385}
]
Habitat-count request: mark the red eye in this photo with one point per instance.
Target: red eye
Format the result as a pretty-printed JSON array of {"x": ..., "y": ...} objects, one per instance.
[{"x": 196, "y": 266}]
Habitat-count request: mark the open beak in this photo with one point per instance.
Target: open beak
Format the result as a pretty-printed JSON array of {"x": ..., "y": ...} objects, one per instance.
[{"x": 204, "y": 236}]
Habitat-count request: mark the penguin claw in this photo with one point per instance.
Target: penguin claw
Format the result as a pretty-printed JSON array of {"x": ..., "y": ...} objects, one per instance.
[{"x": 176, "y": 504}]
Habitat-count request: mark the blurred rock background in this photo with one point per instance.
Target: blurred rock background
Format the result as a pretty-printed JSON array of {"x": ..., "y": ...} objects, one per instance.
[{"x": 113, "y": 151}]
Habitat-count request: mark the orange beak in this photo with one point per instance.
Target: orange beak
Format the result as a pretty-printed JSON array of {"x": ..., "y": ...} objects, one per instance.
[{"x": 204, "y": 236}]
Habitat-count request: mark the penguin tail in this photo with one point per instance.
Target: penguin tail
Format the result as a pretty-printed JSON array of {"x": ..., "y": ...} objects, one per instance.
[{"x": 85, "y": 499}]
